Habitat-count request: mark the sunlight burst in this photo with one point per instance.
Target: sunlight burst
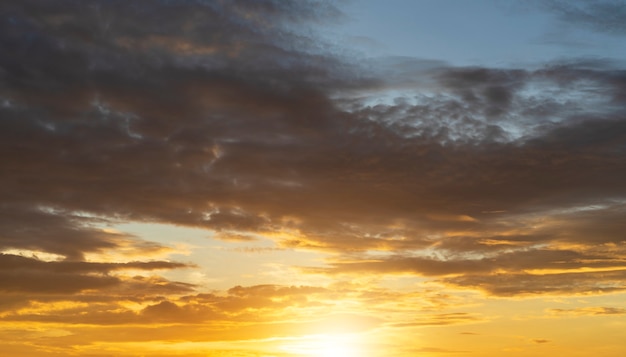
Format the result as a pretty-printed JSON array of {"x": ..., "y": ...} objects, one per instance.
[
  {"x": 334, "y": 347},
  {"x": 325, "y": 346}
]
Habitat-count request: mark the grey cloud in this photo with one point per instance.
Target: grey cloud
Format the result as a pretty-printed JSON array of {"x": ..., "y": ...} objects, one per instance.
[
  {"x": 591, "y": 225},
  {"x": 21, "y": 274},
  {"x": 51, "y": 282},
  {"x": 249, "y": 130},
  {"x": 37, "y": 229},
  {"x": 491, "y": 89},
  {"x": 57, "y": 140},
  {"x": 607, "y": 16},
  {"x": 11, "y": 262},
  {"x": 254, "y": 164}
]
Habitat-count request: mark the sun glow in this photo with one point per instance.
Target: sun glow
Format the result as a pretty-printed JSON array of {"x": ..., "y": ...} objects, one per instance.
[
  {"x": 336, "y": 345},
  {"x": 334, "y": 348}
]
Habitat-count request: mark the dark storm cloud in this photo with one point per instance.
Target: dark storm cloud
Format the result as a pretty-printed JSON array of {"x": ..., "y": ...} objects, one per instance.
[{"x": 231, "y": 116}]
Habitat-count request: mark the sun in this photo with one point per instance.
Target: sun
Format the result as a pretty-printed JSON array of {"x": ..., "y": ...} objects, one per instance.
[{"x": 334, "y": 345}]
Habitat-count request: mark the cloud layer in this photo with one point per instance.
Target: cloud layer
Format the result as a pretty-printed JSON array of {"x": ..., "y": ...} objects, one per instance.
[
  {"x": 233, "y": 116},
  {"x": 243, "y": 131}
]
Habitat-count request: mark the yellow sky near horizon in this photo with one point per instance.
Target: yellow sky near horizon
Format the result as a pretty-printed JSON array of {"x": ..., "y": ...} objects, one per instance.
[{"x": 283, "y": 310}]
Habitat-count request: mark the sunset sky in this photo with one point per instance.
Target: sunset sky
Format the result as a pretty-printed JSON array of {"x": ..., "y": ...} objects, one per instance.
[{"x": 274, "y": 178}]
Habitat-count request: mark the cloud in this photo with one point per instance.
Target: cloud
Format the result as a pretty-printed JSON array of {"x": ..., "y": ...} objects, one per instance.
[
  {"x": 603, "y": 16},
  {"x": 589, "y": 311},
  {"x": 118, "y": 305},
  {"x": 516, "y": 260},
  {"x": 13, "y": 262},
  {"x": 231, "y": 116},
  {"x": 514, "y": 284},
  {"x": 236, "y": 118},
  {"x": 45, "y": 282},
  {"x": 441, "y": 319},
  {"x": 59, "y": 232},
  {"x": 21, "y": 274},
  {"x": 540, "y": 340}
]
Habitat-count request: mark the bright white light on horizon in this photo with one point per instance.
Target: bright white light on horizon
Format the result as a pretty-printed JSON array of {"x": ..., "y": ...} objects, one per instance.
[{"x": 335, "y": 345}]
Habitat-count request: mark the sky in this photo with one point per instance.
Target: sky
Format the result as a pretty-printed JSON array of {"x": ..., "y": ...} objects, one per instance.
[{"x": 312, "y": 178}]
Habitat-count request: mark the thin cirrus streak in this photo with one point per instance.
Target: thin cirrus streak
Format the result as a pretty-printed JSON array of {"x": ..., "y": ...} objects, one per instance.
[{"x": 230, "y": 178}]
